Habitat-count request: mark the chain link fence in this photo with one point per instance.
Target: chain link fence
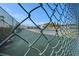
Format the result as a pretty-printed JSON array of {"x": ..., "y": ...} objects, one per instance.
[
  {"x": 7, "y": 23},
  {"x": 55, "y": 37}
]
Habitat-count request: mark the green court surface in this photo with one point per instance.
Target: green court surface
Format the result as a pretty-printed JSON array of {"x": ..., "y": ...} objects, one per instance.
[{"x": 16, "y": 46}]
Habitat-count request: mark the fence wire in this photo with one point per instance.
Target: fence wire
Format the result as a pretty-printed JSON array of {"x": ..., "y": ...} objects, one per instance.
[{"x": 59, "y": 41}]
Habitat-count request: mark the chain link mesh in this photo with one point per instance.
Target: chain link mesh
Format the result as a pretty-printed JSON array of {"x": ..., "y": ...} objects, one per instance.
[{"x": 60, "y": 41}]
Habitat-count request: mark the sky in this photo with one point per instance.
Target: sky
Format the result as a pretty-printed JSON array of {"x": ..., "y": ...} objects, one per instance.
[{"x": 38, "y": 15}]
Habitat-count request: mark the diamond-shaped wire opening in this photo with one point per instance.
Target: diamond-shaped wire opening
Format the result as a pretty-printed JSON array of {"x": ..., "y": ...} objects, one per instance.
[
  {"x": 52, "y": 6},
  {"x": 48, "y": 9},
  {"x": 41, "y": 43},
  {"x": 28, "y": 31},
  {"x": 29, "y": 6},
  {"x": 39, "y": 17}
]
